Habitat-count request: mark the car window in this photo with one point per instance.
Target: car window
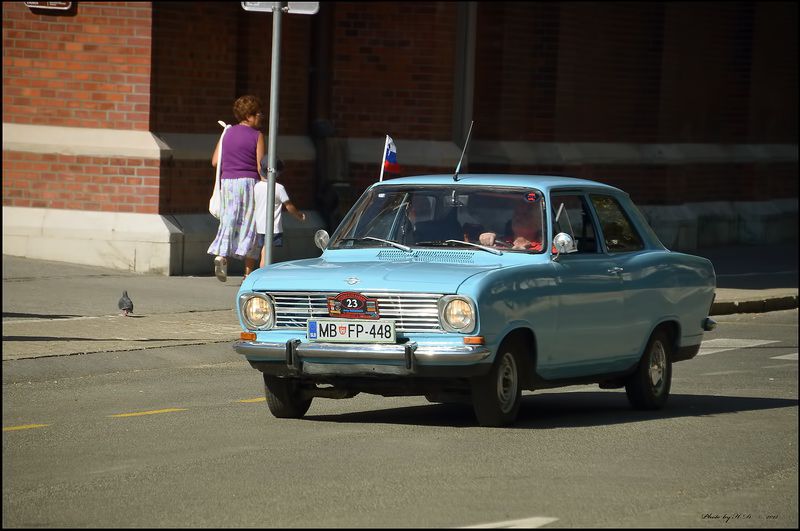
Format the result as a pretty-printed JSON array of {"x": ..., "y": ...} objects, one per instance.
[
  {"x": 445, "y": 216},
  {"x": 619, "y": 233},
  {"x": 571, "y": 214}
]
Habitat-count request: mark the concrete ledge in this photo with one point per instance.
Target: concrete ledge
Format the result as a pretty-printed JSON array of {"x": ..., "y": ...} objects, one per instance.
[
  {"x": 757, "y": 305},
  {"x": 715, "y": 223},
  {"x": 409, "y": 152},
  {"x": 143, "y": 243},
  {"x": 82, "y": 141},
  {"x": 130, "y": 242},
  {"x": 576, "y": 153},
  {"x": 201, "y": 146}
]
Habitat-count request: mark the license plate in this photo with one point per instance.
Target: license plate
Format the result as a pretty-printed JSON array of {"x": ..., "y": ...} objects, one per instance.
[{"x": 351, "y": 331}]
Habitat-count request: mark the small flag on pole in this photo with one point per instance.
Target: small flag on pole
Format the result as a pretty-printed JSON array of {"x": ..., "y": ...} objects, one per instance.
[{"x": 389, "y": 157}]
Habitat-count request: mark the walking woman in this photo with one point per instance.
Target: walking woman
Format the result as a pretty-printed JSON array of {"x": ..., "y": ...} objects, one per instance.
[{"x": 242, "y": 151}]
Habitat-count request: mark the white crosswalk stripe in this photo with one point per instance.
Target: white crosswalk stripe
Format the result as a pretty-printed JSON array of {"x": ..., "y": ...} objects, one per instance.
[
  {"x": 713, "y": 346},
  {"x": 525, "y": 523}
]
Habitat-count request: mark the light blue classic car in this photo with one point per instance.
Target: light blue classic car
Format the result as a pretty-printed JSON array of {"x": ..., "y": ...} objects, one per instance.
[{"x": 473, "y": 288}]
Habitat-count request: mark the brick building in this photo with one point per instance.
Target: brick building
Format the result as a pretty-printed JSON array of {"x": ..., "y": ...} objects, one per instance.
[{"x": 110, "y": 111}]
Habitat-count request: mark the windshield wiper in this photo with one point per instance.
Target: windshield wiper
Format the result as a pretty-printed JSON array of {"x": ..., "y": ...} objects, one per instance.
[
  {"x": 482, "y": 247},
  {"x": 400, "y": 246}
]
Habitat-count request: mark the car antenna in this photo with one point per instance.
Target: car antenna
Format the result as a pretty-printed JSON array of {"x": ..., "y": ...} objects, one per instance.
[{"x": 458, "y": 168}]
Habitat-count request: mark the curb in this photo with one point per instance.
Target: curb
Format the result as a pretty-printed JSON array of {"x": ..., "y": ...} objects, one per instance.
[{"x": 788, "y": 302}]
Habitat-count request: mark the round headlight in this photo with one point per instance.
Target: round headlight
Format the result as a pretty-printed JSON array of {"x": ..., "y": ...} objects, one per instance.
[
  {"x": 459, "y": 315},
  {"x": 258, "y": 312}
]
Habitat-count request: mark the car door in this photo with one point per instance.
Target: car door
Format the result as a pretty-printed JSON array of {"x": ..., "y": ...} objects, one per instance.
[
  {"x": 623, "y": 243},
  {"x": 589, "y": 294}
]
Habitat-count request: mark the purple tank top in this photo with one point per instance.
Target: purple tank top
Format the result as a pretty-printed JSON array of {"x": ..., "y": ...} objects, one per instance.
[{"x": 239, "y": 153}]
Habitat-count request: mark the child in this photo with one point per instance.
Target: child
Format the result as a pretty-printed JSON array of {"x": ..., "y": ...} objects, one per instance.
[{"x": 281, "y": 200}]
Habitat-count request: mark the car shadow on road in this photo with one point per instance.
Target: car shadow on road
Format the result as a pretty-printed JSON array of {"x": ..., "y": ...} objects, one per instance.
[
  {"x": 55, "y": 338},
  {"x": 544, "y": 411},
  {"x": 17, "y": 315}
]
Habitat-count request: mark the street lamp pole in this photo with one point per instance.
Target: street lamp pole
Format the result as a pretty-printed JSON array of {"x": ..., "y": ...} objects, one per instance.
[{"x": 272, "y": 133}]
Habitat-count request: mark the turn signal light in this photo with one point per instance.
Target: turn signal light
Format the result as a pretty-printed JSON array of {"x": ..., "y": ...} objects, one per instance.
[
  {"x": 473, "y": 340},
  {"x": 248, "y": 336}
]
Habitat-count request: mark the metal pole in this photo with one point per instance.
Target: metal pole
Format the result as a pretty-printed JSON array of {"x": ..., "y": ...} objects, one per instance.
[
  {"x": 383, "y": 161},
  {"x": 272, "y": 139}
]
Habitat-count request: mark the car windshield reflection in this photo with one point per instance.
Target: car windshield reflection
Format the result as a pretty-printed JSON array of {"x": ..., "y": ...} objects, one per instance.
[{"x": 503, "y": 219}]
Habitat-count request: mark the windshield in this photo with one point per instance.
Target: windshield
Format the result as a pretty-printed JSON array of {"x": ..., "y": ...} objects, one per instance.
[{"x": 444, "y": 216}]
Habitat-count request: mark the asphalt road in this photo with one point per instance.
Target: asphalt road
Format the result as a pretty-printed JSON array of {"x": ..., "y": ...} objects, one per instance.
[{"x": 181, "y": 437}]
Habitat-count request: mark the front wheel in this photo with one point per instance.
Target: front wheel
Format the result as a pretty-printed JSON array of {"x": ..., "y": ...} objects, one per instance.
[
  {"x": 496, "y": 396},
  {"x": 648, "y": 387},
  {"x": 285, "y": 397}
]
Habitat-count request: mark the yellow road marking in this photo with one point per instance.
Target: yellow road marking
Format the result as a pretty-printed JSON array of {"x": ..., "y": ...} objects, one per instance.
[
  {"x": 251, "y": 400},
  {"x": 153, "y": 412},
  {"x": 25, "y": 427}
]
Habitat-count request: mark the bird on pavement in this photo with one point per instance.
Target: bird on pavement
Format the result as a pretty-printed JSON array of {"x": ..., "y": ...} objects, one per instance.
[{"x": 125, "y": 304}]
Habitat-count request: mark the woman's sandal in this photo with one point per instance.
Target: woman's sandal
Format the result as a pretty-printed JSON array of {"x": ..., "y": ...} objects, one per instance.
[{"x": 221, "y": 268}]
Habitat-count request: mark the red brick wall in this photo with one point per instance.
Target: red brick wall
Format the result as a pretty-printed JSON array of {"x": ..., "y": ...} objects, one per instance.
[
  {"x": 773, "y": 98},
  {"x": 703, "y": 72},
  {"x": 706, "y": 72},
  {"x": 608, "y": 71},
  {"x": 109, "y": 184},
  {"x": 393, "y": 69},
  {"x": 516, "y": 71},
  {"x": 200, "y": 68},
  {"x": 87, "y": 70}
]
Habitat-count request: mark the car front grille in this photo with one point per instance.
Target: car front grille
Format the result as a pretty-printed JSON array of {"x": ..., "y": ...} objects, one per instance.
[{"x": 411, "y": 312}]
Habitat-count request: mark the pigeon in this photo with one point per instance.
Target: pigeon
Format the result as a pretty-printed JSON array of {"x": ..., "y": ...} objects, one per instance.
[{"x": 125, "y": 304}]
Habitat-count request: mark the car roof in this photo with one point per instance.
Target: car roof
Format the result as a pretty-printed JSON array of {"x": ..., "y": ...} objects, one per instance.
[{"x": 543, "y": 183}]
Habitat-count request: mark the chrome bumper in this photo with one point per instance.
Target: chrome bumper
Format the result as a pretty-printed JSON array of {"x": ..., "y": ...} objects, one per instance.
[{"x": 343, "y": 358}]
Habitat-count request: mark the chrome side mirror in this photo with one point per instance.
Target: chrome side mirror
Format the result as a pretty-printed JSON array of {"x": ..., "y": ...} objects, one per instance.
[
  {"x": 564, "y": 243},
  {"x": 321, "y": 239}
]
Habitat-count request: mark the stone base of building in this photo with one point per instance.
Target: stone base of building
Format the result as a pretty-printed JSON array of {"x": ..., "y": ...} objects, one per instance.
[
  {"x": 178, "y": 244},
  {"x": 144, "y": 243}
]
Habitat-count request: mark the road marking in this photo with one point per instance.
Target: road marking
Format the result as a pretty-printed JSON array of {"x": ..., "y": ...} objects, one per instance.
[
  {"x": 152, "y": 412},
  {"x": 525, "y": 523},
  {"x": 712, "y": 346},
  {"x": 251, "y": 400},
  {"x": 787, "y": 272},
  {"x": 25, "y": 427},
  {"x": 792, "y": 357}
]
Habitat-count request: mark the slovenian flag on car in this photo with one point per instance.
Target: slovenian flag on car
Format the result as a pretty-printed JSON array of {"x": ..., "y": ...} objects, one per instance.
[{"x": 390, "y": 157}]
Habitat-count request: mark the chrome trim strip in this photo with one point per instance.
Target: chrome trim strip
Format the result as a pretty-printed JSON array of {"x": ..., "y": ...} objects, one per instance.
[{"x": 430, "y": 354}]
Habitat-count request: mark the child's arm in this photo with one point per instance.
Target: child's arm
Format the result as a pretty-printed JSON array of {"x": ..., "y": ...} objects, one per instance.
[{"x": 293, "y": 211}]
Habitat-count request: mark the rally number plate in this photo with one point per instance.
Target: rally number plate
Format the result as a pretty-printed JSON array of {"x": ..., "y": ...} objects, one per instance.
[{"x": 350, "y": 331}]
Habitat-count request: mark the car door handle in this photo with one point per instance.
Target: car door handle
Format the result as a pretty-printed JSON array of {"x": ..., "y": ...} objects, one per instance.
[{"x": 616, "y": 270}]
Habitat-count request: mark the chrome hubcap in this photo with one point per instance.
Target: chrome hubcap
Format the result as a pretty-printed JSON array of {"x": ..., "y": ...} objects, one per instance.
[
  {"x": 507, "y": 383},
  {"x": 658, "y": 366}
]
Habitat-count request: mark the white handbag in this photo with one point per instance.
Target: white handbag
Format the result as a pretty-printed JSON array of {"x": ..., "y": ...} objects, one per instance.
[{"x": 215, "y": 203}]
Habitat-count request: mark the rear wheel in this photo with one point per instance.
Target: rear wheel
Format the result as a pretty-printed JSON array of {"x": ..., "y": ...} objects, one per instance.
[
  {"x": 496, "y": 396},
  {"x": 285, "y": 397},
  {"x": 648, "y": 387}
]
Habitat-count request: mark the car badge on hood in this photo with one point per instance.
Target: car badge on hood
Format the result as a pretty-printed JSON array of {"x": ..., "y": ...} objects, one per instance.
[{"x": 352, "y": 280}]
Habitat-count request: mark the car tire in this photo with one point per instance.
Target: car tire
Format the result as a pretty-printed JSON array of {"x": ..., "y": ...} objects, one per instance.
[
  {"x": 496, "y": 396},
  {"x": 285, "y": 398},
  {"x": 648, "y": 388}
]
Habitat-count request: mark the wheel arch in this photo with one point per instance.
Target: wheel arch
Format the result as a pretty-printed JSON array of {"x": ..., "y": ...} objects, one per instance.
[
  {"x": 672, "y": 328},
  {"x": 525, "y": 339}
]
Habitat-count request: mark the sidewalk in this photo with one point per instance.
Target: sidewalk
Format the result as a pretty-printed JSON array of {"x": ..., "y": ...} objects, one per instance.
[{"x": 61, "y": 309}]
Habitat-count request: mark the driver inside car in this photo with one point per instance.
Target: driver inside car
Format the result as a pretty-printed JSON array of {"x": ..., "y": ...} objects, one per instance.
[{"x": 526, "y": 230}]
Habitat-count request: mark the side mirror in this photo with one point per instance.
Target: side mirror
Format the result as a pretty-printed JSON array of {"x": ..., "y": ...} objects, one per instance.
[
  {"x": 321, "y": 239},
  {"x": 564, "y": 243}
]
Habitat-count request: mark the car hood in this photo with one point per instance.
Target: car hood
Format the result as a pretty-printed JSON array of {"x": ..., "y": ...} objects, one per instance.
[{"x": 319, "y": 274}]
